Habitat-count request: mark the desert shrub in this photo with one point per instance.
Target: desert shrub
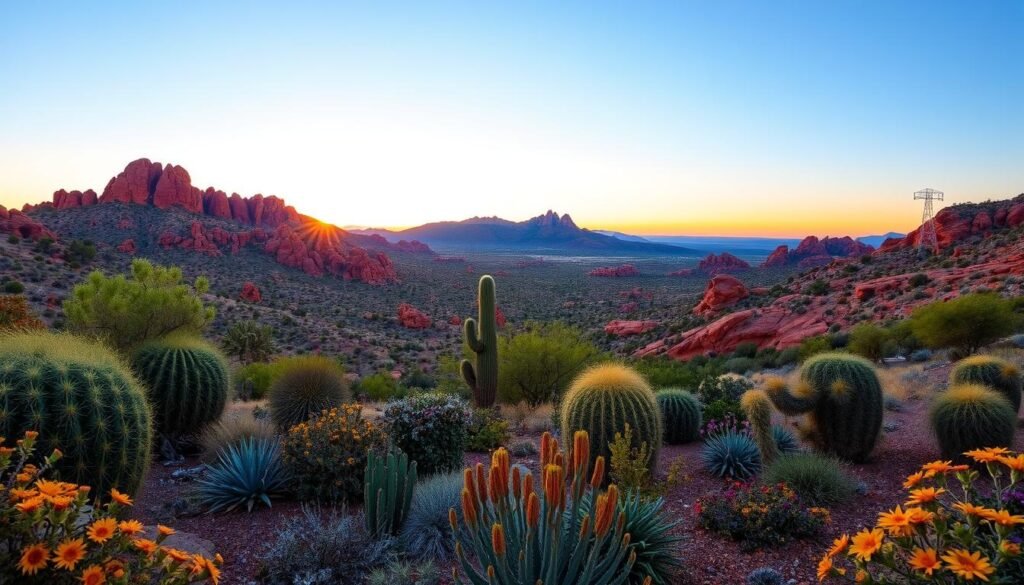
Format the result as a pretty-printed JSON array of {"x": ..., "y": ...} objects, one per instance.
[
  {"x": 253, "y": 381},
  {"x": 15, "y": 314},
  {"x": 966, "y": 323},
  {"x": 651, "y": 531},
  {"x": 231, "y": 429},
  {"x": 187, "y": 383},
  {"x": 731, "y": 455},
  {"x": 427, "y": 532},
  {"x": 304, "y": 386},
  {"x": 920, "y": 355},
  {"x": 629, "y": 466},
  {"x": 664, "y": 372},
  {"x": 869, "y": 341},
  {"x": 790, "y": 355},
  {"x": 760, "y": 516},
  {"x": 963, "y": 534},
  {"x": 83, "y": 400},
  {"x": 40, "y": 516},
  {"x": 80, "y": 252},
  {"x": 403, "y": 572},
  {"x": 249, "y": 342},
  {"x": 812, "y": 346},
  {"x": 246, "y": 473},
  {"x": 537, "y": 364},
  {"x": 606, "y": 398},
  {"x": 379, "y": 387},
  {"x": 765, "y": 576},
  {"x": 13, "y": 287},
  {"x": 323, "y": 548},
  {"x": 720, "y": 396},
  {"x": 971, "y": 416},
  {"x": 327, "y": 454},
  {"x": 998, "y": 374},
  {"x": 525, "y": 448},
  {"x": 817, "y": 480},
  {"x": 487, "y": 431},
  {"x": 431, "y": 428},
  {"x": 747, "y": 349},
  {"x": 741, "y": 365},
  {"x": 151, "y": 302},
  {"x": 729, "y": 423},
  {"x": 681, "y": 415}
]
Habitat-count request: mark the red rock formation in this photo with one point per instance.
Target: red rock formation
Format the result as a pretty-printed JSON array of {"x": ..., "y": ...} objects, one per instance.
[
  {"x": 778, "y": 258},
  {"x": 65, "y": 200},
  {"x": 623, "y": 328},
  {"x": 127, "y": 246},
  {"x": 615, "y": 271},
  {"x": 133, "y": 185},
  {"x": 174, "y": 188},
  {"x": 813, "y": 252},
  {"x": 722, "y": 264},
  {"x": 455, "y": 320},
  {"x": 215, "y": 203},
  {"x": 412, "y": 318},
  {"x": 316, "y": 253},
  {"x": 239, "y": 209},
  {"x": 250, "y": 293},
  {"x": 722, "y": 291},
  {"x": 15, "y": 222},
  {"x": 499, "y": 317}
]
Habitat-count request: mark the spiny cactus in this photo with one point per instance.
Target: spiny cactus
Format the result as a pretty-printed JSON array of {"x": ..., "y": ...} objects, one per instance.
[
  {"x": 972, "y": 416},
  {"x": 603, "y": 400},
  {"x": 83, "y": 400},
  {"x": 306, "y": 385},
  {"x": 389, "y": 483},
  {"x": 842, "y": 398},
  {"x": 758, "y": 408},
  {"x": 998, "y": 374},
  {"x": 187, "y": 380},
  {"x": 681, "y": 415},
  {"x": 482, "y": 338}
]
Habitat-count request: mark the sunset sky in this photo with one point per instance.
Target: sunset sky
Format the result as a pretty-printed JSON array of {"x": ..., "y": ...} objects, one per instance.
[{"x": 731, "y": 118}]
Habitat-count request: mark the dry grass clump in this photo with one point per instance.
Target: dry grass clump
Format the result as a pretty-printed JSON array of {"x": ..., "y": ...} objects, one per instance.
[{"x": 237, "y": 423}]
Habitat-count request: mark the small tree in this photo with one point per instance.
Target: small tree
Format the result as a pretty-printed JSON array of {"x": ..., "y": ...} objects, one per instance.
[
  {"x": 538, "y": 364},
  {"x": 869, "y": 341},
  {"x": 967, "y": 323},
  {"x": 249, "y": 342},
  {"x": 151, "y": 302}
]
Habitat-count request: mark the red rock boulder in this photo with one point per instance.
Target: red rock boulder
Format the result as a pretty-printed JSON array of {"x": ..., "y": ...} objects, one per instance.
[
  {"x": 412, "y": 318},
  {"x": 623, "y": 328},
  {"x": 722, "y": 291},
  {"x": 250, "y": 293},
  {"x": 127, "y": 246}
]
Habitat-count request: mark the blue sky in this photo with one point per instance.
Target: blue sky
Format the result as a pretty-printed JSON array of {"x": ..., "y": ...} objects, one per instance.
[{"x": 781, "y": 118}]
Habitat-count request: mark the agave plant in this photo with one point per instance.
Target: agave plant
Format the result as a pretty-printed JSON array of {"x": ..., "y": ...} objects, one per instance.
[
  {"x": 732, "y": 455},
  {"x": 650, "y": 530},
  {"x": 246, "y": 472}
]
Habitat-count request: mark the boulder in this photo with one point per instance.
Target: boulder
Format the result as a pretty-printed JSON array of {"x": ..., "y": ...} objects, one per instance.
[
  {"x": 722, "y": 291},
  {"x": 127, "y": 246},
  {"x": 412, "y": 318},
  {"x": 250, "y": 293}
]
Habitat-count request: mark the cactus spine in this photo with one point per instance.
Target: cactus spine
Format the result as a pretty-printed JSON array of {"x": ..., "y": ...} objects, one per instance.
[
  {"x": 972, "y": 416},
  {"x": 187, "y": 381},
  {"x": 758, "y": 408},
  {"x": 390, "y": 481},
  {"x": 999, "y": 375},
  {"x": 681, "y": 415},
  {"x": 842, "y": 398},
  {"x": 82, "y": 400},
  {"x": 603, "y": 400},
  {"x": 481, "y": 336}
]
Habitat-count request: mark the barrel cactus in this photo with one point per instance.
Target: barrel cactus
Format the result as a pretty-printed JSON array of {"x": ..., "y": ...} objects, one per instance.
[
  {"x": 681, "y": 415},
  {"x": 305, "y": 386},
  {"x": 998, "y": 374},
  {"x": 83, "y": 400},
  {"x": 972, "y": 416},
  {"x": 842, "y": 398},
  {"x": 187, "y": 380},
  {"x": 603, "y": 400}
]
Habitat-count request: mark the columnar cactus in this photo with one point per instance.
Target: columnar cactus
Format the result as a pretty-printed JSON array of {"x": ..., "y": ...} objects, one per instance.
[
  {"x": 603, "y": 400},
  {"x": 758, "y": 408},
  {"x": 681, "y": 415},
  {"x": 187, "y": 381},
  {"x": 389, "y": 483},
  {"x": 842, "y": 398},
  {"x": 482, "y": 338},
  {"x": 516, "y": 535},
  {"x": 83, "y": 400},
  {"x": 972, "y": 416},
  {"x": 998, "y": 374}
]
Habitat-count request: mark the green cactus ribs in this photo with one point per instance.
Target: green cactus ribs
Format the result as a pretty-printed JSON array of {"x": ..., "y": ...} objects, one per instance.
[
  {"x": 481, "y": 335},
  {"x": 681, "y": 415}
]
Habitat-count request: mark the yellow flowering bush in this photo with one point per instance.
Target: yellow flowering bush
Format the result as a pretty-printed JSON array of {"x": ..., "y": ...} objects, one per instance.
[
  {"x": 327, "y": 454},
  {"x": 946, "y": 531},
  {"x": 50, "y": 534}
]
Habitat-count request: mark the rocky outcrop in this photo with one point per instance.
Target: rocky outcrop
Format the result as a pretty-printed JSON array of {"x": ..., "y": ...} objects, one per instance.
[
  {"x": 615, "y": 271},
  {"x": 623, "y": 328},
  {"x": 813, "y": 252},
  {"x": 721, "y": 264},
  {"x": 722, "y": 291},
  {"x": 317, "y": 253},
  {"x": 17, "y": 223},
  {"x": 250, "y": 293},
  {"x": 958, "y": 222},
  {"x": 64, "y": 200},
  {"x": 174, "y": 189},
  {"x": 127, "y": 246},
  {"x": 135, "y": 184},
  {"x": 412, "y": 318}
]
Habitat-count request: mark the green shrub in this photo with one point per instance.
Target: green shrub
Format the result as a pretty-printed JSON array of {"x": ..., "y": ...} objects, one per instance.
[
  {"x": 606, "y": 398},
  {"x": 741, "y": 365},
  {"x": 966, "y": 323},
  {"x": 760, "y": 516},
  {"x": 13, "y": 287},
  {"x": 869, "y": 341},
  {"x": 998, "y": 374},
  {"x": 379, "y": 387},
  {"x": 681, "y": 415},
  {"x": 249, "y": 341},
  {"x": 487, "y": 431},
  {"x": 812, "y": 346},
  {"x": 819, "y": 481},
  {"x": 431, "y": 428},
  {"x": 971, "y": 416},
  {"x": 246, "y": 473},
  {"x": 306, "y": 385},
  {"x": 187, "y": 380},
  {"x": 537, "y": 364},
  {"x": 83, "y": 400},
  {"x": 731, "y": 455},
  {"x": 253, "y": 380},
  {"x": 327, "y": 455},
  {"x": 747, "y": 349}
]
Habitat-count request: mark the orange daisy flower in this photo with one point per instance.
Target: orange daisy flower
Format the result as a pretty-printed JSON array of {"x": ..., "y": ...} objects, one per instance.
[
  {"x": 101, "y": 531},
  {"x": 93, "y": 575},
  {"x": 69, "y": 553},
  {"x": 130, "y": 527},
  {"x": 120, "y": 498},
  {"x": 145, "y": 545},
  {"x": 30, "y": 505},
  {"x": 866, "y": 543},
  {"x": 1003, "y": 518},
  {"x": 202, "y": 565},
  {"x": 926, "y": 560},
  {"x": 985, "y": 455},
  {"x": 968, "y": 565},
  {"x": 970, "y": 509},
  {"x": 913, "y": 479},
  {"x": 33, "y": 558},
  {"x": 1014, "y": 463},
  {"x": 925, "y": 495},
  {"x": 936, "y": 467},
  {"x": 896, "y": 522},
  {"x": 164, "y": 530},
  {"x": 839, "y": 545}
]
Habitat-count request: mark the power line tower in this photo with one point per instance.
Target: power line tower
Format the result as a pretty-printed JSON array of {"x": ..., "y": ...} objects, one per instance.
[{"x": 928, "y": 238}]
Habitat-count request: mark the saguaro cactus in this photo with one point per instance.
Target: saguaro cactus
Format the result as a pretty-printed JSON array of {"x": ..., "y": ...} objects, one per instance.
[{"x": 482, "y": 338}]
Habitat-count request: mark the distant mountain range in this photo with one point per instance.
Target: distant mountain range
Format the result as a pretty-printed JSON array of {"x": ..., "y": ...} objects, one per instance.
[
  {"x": 550, "y": 232},
  {"x": 877, "y": 241}
]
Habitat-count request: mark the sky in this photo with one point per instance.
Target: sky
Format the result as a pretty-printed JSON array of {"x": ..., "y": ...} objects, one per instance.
[{"x": 778, "y": 118}]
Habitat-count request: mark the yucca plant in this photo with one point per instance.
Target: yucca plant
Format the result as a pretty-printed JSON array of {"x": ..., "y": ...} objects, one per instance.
[
  {"x": 518, "y": 536},
  {"x": 650, "y": 531},
  {"x": 972, "y": 416},
  {"x": 731, "y": 454},
  {"x": 246, "y": 473},
  {"x": 998, "y": 374},
  {"x": 389, "y": 484}
]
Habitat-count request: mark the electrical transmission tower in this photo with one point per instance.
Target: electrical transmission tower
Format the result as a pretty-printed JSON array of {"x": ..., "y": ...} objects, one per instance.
[{"x": 928, "y": 238}]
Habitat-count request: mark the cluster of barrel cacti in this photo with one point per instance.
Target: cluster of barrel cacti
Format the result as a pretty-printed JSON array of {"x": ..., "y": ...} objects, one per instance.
[
  {"x": 514, "y": 534},
  {"x": 681, "y": 415},
  {"x": 481, "y": 335},
  {"x": 606, "y": 398},
  {"x": 389, "y": 484},
  {"x": 993, "y": 372}
]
